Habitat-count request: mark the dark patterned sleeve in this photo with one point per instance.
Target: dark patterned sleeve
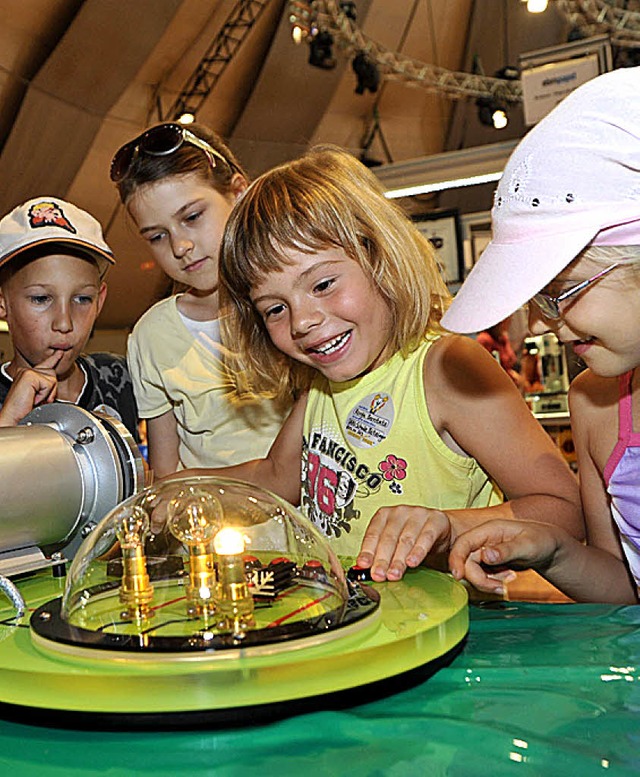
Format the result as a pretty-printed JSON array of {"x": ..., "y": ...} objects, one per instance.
[{"x": 114, "y": 387}]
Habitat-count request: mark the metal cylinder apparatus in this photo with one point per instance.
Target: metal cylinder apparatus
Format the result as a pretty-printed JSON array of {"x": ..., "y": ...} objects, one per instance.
[{"x": 61, "y": 470}]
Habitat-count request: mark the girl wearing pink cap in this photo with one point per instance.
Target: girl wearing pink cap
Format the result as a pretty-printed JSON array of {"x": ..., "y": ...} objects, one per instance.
[{"x": 567, "y": 237}]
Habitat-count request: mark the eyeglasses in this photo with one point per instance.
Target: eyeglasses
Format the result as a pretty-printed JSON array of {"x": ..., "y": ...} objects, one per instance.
[
  {"x": 550, "y": 306},
  {"x": 162, "y": 140}
]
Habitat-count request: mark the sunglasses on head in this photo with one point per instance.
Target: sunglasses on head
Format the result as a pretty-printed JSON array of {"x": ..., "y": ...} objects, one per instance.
[{"x": 163, "y": 140}]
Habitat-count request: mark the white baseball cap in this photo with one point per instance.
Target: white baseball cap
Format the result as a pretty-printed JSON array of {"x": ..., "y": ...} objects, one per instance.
[
  {"x": 573, "y": 180},
  {"x": 53, "y": 222}
]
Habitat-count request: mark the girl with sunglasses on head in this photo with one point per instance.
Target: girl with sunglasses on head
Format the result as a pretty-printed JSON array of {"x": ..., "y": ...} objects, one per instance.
[
  {"x": 401, "y": 437},
  {"x": 179, "y": 186},
  {"x": 566, "y": 236}
]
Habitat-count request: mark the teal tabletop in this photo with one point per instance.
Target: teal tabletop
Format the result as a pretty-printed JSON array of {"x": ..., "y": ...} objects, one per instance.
[{"x": 538, "y": 689}]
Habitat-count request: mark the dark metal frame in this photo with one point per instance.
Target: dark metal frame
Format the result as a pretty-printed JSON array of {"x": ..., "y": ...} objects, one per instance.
[
  {"x": 444, "y": 225},
  {"x": 223, "y": 48}
]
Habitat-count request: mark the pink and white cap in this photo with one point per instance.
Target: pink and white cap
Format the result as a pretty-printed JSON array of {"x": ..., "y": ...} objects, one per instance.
[{"x": 573, "y": 180}]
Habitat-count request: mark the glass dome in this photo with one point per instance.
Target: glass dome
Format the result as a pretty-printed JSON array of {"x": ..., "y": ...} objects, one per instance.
[{"x": 204, "y": 564}]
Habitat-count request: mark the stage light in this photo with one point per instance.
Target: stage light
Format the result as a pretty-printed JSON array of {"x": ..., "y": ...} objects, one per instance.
[
  {"x": 367, "y": 73},
  {"x": 536, "y": 6},
  {"x": 499, "y": 118},
  {"x": 300, "y": 19},
  {"x": 321, "y": 50},
  {"x": 492, "y": 112},
  {"x": 349, "y": 10},
  {"x": 507, "y": 73}
]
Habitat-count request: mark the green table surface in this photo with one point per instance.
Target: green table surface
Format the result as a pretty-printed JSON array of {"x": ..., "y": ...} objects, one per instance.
[{"x": 538, "y": 689}]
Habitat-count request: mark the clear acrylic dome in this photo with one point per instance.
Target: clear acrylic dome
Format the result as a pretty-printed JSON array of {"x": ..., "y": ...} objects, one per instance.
[{"x": 205, "y": 564}]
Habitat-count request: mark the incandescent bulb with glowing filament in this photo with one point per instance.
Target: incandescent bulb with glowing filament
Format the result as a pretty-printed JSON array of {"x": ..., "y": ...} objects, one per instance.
[
  {"x": 193, "y": 517},
  {"x": 136, "y": 591},
  {"x": 229, "y": 542},
  {"x": 235, "y": 603}
]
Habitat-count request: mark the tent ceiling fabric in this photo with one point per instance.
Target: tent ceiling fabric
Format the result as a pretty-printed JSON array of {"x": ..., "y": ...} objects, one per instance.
[{"x": 77, "y": 79}]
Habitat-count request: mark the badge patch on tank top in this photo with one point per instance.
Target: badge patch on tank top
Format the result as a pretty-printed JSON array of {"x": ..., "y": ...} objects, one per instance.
[{"x": 370, "y": 421}]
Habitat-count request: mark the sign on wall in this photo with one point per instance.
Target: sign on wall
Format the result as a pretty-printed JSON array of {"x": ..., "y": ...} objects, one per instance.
[
  {"x": 545, "y": 86},
  {"x": 549, "y": 75}
]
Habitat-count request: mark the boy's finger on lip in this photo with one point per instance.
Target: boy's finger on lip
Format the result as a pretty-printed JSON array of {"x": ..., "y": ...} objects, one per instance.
[{"x": 51, "y": 360}]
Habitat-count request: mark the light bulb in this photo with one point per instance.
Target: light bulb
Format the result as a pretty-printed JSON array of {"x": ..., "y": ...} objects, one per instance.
[
  {"x": 136, "y": 591},
  {"x": 234, "y": 601},
  {"x": 193, "y": 517},
  {"x": 132, "y": 528}
]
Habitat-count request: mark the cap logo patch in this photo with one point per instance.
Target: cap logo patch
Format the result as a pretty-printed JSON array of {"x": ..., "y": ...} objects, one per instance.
[{"x": 49, "y": 214}]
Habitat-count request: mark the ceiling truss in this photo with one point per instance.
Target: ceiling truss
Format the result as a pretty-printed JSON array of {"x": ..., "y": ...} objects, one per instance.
[
  {"x": 221, "y": 51},
  {"x": 615, "y": 18}
]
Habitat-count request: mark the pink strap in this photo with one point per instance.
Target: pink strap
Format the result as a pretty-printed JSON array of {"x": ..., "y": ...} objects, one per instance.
[{"x": 625, "y": 425}]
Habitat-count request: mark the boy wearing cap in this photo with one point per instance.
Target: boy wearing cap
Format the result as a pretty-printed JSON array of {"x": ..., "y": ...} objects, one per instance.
[
  {"x": 566, "y": 238},
  {"x": 53, "y": 259}
]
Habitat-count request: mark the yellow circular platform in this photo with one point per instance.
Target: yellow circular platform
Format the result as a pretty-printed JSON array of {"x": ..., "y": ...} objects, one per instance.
[{"x": 421, "y": 620}]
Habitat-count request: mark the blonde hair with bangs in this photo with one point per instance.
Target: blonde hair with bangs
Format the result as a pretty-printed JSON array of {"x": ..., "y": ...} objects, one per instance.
[{"x": 325, "y": 199}]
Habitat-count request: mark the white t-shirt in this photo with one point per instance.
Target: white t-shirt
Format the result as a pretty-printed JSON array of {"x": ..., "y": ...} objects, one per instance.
[
  {"x": 174, "y": 370},
  {"x": 207, "y": 332}
]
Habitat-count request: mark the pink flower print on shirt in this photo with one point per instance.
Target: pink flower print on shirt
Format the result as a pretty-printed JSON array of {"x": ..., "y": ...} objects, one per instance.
[{"x": 393, "y": 468}]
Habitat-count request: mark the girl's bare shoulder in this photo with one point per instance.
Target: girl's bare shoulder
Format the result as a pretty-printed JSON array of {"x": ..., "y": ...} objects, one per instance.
[
  {"x": 591, "y": 393},
  {"x": 593, "y": 406},
  {"x": 462, "y": 381},
  {"x": 459, "y": 362}
]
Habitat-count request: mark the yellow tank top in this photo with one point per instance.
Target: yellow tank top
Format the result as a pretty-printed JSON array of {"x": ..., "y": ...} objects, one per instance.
[{"x": 369, "y": 443}]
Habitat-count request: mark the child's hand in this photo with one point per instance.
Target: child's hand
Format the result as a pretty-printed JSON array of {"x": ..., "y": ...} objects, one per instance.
[
  {"x": 400, "y": 537},
  {"x": 517, "y": 544},
  {"x": 30, "y": 388}
]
